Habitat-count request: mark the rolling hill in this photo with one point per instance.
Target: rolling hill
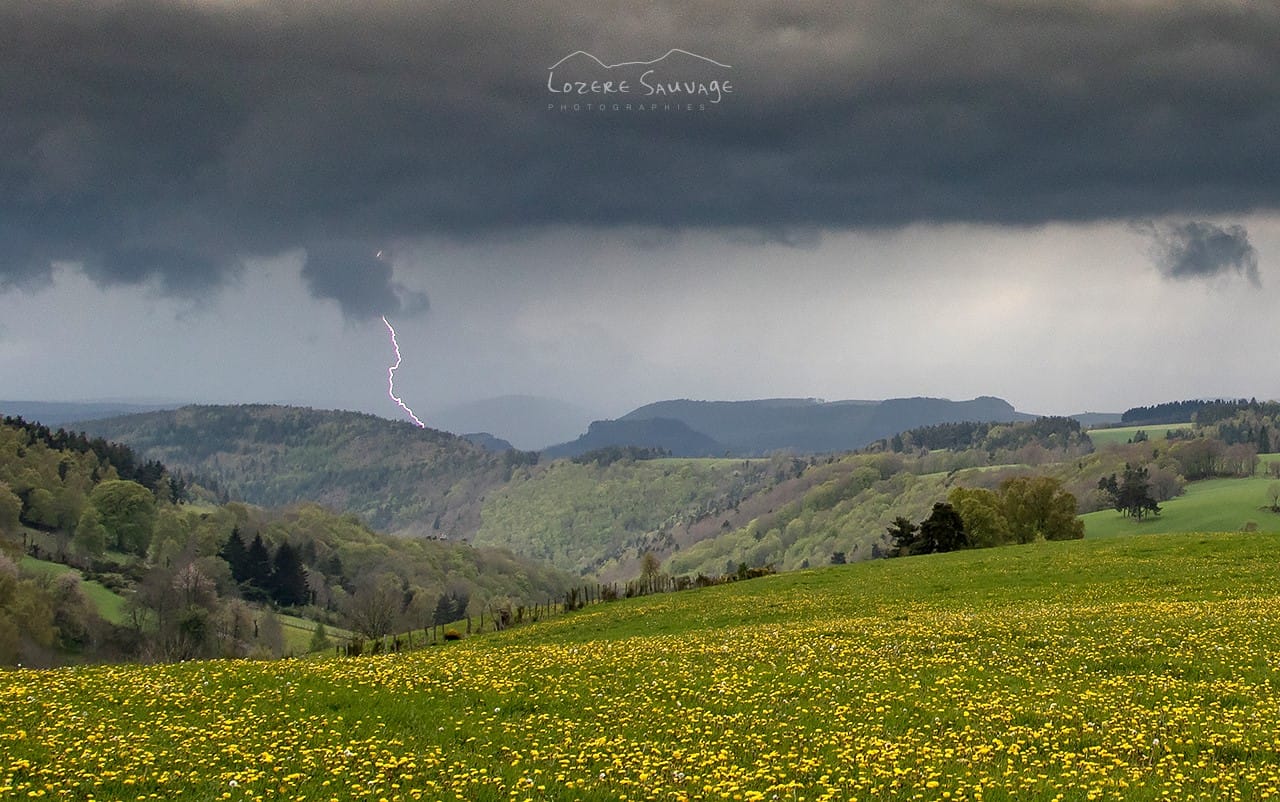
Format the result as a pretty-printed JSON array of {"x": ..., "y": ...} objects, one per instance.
[
  {"x": 668, "y": 434},
  {"x": 801, "y": 425},
  {"x": 704, "y": 515},
  {"x": 600, "y": 519},
  {"x": 397, "y": 477}
]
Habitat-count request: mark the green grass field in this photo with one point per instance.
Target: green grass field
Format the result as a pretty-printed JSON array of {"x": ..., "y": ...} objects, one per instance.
[
  {"x": 298, "y": 632},
  {"x": 1128, "y": 668},
  {"x": 108, "y": 604},
  {"x": 1123, "y": 434},
  {"x": 1215, "y": 505}
]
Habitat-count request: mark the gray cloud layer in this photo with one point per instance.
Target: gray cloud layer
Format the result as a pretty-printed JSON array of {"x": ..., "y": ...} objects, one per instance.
[
  {"x": 1202, "y": 250},
  {"x": 156, "y": 139}
]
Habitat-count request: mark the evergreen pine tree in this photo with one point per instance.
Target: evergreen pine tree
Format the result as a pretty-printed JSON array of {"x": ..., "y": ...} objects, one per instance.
[
  {"x": 943, "y": 530},
  {"x": 451, "y": 607},
  {"x": 234, "y": 552},
  {"x": 258, "y": 565},
  {"x": 288, "y": 585},
  {"x": 320, "y": 639},
  {"x": 904, "y": 534}
]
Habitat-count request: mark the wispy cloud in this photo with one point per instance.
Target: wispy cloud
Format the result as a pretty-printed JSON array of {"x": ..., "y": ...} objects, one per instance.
[{"x": 1201, "y": 250}]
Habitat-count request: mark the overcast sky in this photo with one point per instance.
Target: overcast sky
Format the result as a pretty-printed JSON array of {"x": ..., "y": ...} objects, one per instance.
[{"x": 1071, "y": 205}]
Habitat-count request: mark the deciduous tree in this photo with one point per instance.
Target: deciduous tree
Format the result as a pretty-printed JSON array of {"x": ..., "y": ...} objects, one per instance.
[
  {"x": 374, "y": 606},
  {"x": 1038, "y": 507},
  {"x": 10, "y": 510},
  {"x": 90, "y": 538},
  {"x": 128, "y": 512},
  {"x": 983, "y": 514}
]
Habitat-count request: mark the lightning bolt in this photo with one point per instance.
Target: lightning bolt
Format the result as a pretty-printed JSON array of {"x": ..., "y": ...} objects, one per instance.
[{"x": 391, "y": 376}]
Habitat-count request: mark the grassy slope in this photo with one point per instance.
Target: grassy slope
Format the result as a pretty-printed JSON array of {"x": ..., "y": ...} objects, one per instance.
[
  {"x": 1214, "y": 505},
  {"x": 108, "y": 604},
  {"x": 1135, "y": 668},
  {"x": 298, "y": 632}
]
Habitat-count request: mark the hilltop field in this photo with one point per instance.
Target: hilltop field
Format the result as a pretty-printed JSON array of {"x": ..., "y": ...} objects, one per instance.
[
  {"x": 1136, "y": 668},
  {"x": 1114, "y": 435}
]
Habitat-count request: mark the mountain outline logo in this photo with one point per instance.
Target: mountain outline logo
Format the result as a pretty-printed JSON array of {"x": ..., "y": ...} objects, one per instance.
[
  {"x": 631, "y": 63},
  {"x": 678, "y": 75}
]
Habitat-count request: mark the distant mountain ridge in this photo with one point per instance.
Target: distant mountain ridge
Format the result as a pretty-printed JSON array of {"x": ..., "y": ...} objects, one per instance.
[
  {"x": 667, "y": 434},
  {"x": 60, "y": 413},
  {"x": 802, "y": 425},
  {"x": 527, "y": 422}
]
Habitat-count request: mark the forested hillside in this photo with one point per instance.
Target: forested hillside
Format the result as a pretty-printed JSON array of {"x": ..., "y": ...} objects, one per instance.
[
  {"x": 711, "y": 516},
  {"x": 397, "y": 477},
  {"x": 843, "y": 509},
  {"x": 140, "y": 573},
  {"x": 601, "y": 513},
  {"x": 592, "y": 515}
]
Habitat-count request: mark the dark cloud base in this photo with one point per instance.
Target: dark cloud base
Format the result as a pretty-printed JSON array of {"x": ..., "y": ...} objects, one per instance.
[
  {"x": 1201, "y": 250},
  {"x": 168, "y": 141}
]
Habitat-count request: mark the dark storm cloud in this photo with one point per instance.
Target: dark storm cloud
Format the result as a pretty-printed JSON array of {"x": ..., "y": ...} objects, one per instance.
[
  {"x": 156, "y": 139},
  {"x": 359, "y": 279},
  {"x": 1202, "y": 250}
]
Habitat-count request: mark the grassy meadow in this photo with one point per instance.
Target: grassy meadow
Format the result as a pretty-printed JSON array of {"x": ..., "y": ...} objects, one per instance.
[
  {"x": 1123, "y": 434},
  {"x": 1213, "y": 505},
  {"x": 110, "y": 605},
  {"x": 1134, "y": 668}
]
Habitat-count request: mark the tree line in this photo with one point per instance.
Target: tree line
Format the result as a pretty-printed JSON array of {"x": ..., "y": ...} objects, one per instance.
[
  {"x": 123, "y": 461},
  {"x": 1023, "y": 510},
  {"x": 1052, "y": 432}
]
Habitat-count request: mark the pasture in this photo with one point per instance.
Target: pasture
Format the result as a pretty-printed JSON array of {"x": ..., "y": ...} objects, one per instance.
[
  {"x": 1124, "y": 668},
  {"x": 1123, "y": 434},
  {"x": 1213, "y": 505}
]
